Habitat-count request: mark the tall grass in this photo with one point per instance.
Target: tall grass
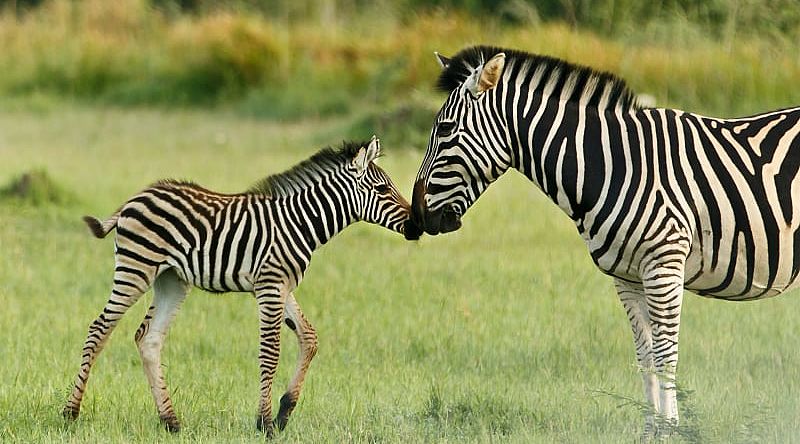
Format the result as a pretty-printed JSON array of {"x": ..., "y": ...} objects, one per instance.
[{"x": 128, "y": 52}]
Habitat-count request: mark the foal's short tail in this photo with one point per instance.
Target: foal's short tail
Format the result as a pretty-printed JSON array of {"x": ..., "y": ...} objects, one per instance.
[{"x": 99, "y": 228}]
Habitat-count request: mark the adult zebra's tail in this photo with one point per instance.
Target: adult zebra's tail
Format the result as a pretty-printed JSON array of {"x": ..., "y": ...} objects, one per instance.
[{"x": 99, "y": 228}]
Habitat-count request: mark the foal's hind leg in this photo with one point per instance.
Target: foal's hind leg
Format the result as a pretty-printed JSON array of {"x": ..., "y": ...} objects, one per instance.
[
  {"x": 307, "y": 341},
  {"x": 129, "y": 285},
  {"x": 169, "y": 292}
]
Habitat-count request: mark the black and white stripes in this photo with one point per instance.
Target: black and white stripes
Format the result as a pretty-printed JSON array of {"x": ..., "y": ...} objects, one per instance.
[
  {"x": 664, "y": 199},
  {"x": 175, "y": 235}
]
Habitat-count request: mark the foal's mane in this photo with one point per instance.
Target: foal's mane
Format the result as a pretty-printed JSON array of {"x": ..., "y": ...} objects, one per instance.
[
  {"x": 307, "y": 172},
  {"x": 585, "y": 83}
]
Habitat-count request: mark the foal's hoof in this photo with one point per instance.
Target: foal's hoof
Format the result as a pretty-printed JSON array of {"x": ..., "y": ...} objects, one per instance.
[
  {"x": 287, "y": 406},
  {"x": 70, "y": 413},
  {"x": 264, "y": 425},
  {"x": 171, "y": 424}
]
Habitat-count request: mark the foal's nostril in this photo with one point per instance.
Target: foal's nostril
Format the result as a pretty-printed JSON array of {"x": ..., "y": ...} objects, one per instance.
[{"x": 411, "y": 231}]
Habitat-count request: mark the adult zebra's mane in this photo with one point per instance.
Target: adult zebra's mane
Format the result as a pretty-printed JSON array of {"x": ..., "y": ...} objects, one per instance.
[
  {"x": 306, "y": 172},
  {"x": 583, "y": 80}
]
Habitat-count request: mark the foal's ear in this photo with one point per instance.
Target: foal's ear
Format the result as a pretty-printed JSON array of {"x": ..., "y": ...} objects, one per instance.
[
  {"x": 366, "y": 155},
  {"x": 444, "y": 62},
  {"x": 486, "y": 77}
]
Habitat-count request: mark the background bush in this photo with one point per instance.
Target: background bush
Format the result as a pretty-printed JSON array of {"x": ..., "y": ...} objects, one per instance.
[{"x": 306, "y": 59}]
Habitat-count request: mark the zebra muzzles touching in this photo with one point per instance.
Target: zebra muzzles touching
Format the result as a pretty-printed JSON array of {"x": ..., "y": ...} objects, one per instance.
[
  {"x": 665, "y": 200},
  {"x": 175, "y": 235}
]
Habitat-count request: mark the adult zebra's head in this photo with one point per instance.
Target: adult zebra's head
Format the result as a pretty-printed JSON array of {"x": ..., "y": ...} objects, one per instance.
[
  {"x": 378, "y": 200},
  {"x": 468, "y": 147}
]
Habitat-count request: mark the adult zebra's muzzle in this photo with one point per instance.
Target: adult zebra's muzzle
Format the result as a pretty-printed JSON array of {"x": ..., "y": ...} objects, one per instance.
[{"x": 442, "y": 220}]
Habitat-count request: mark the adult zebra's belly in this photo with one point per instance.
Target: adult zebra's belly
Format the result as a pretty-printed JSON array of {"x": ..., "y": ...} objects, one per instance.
[{"x": 743, "y": 265}]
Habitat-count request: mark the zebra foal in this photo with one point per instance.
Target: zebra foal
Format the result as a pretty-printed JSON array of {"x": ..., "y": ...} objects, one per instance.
[{"x": 175, "y": 235}]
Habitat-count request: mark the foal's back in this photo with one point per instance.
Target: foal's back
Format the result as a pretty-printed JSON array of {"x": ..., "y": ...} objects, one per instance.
[{"x": 214, "y": 241}]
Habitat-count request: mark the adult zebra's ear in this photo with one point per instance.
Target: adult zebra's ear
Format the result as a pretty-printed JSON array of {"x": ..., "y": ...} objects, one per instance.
[
  {"x": 366, "y": 155},
  {"x": 487, "y": 76},
  {"x": 444, "y": 62}
]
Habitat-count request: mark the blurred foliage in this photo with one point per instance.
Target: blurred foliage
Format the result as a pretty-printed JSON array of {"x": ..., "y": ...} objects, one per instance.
[
  {"x": 284, "y": 59},
  {"x": 776, "y": 18},
  {"x": 406, "y": 123}
]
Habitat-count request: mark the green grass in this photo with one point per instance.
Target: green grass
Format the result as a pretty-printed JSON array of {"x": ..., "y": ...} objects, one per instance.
[{"x": 501, "y": 332}]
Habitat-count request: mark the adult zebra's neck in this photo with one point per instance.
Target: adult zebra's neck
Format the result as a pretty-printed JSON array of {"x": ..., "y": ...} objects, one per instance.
[{"x": 568, "y": 150}]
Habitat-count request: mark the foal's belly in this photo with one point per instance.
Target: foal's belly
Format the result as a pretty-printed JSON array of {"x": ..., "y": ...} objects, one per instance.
[{"x": 219, "y": 277}]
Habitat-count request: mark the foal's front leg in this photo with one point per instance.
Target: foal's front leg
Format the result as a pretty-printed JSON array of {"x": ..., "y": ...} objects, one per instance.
[
  {"x": 307, "y": 348},
  {"x": 270, "y": 298}
]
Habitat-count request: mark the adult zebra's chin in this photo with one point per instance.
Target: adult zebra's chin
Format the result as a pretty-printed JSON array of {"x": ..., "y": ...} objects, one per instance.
[{"x": 442, "y": 220}]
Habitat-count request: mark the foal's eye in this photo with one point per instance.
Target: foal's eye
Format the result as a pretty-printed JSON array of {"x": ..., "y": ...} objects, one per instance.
[
  {"x": 382, "y": 189},
  {"x": 446, "y": 128}
]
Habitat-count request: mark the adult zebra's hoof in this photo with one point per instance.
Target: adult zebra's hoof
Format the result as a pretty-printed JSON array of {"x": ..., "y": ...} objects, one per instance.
[
  {"x": 171, "y": 424},
  {"x": 658, "y": 430},
  {"x": 264, "y": 425},
  {"x": 667, "y": 429},
  {"x": 70, "y": 413}
]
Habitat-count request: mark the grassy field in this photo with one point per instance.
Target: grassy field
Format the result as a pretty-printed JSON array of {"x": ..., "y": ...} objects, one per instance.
[{"x": 500, "y": 332}]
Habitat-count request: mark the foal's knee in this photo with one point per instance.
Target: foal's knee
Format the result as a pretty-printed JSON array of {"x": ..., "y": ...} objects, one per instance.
[{"x": 149, "y": 348}]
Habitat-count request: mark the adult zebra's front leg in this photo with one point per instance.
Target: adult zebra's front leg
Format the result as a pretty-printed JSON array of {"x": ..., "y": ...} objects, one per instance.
[
  {"x": 270, "y": 293},
  {"x": 654, "y": 311},
  {"x": 633, "y": 299},
  {"x": 662, "y": 281}
]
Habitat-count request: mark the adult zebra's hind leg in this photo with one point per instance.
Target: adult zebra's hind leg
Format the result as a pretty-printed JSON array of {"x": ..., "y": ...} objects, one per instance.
[
  {"x": 307, "y": 343},
  {"x": 129, "y": 285},
  {"x": 169, "y": 291},
  {"x": 633, "y": 299}
]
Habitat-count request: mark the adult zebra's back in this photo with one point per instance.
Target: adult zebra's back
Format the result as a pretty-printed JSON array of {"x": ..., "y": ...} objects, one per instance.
[
  {"x": 664, "y": 199},
  {"x": 176, "y": 234}
]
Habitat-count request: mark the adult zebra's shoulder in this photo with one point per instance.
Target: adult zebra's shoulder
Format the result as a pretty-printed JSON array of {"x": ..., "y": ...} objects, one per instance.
[
  {"x": 175, "y": 235},
  {"x": 664, "y": 199}
]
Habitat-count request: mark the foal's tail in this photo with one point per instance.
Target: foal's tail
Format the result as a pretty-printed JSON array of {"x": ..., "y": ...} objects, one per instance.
[{"x": 99, "y": 228}]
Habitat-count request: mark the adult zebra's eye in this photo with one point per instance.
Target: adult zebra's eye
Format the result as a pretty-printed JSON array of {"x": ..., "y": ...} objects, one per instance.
[
  {"x": 382, "y": 189},
  {"x": 446, "y": 128}
]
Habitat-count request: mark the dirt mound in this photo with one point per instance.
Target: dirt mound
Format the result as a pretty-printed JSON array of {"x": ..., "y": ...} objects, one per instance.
[{"x": 35, "y": 187}]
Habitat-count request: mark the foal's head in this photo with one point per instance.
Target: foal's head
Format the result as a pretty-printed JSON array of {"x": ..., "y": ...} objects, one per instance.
[{"x": 377, "y": 199}]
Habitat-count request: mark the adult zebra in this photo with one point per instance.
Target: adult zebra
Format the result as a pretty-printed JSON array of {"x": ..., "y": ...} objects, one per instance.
[
  {"x": 176, "y": 234},
  {"x": 664, "y": 199}
]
